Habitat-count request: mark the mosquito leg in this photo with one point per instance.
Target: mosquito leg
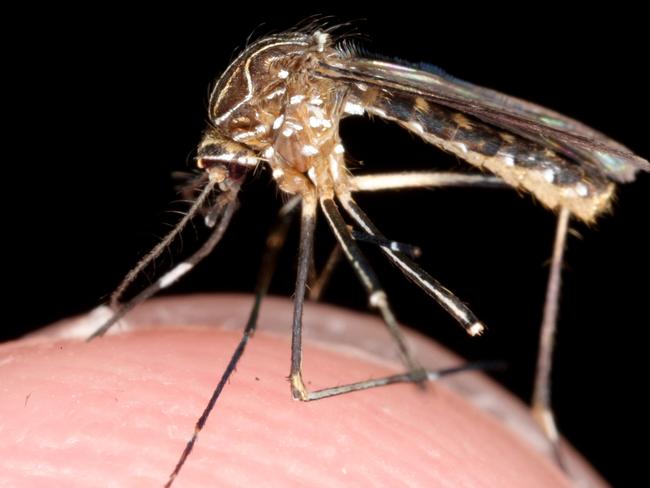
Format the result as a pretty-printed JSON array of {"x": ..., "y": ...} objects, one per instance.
[
  {"x": 318, "y": 285},
  {"x": 541, "y": 404},
  {"x": 298, "y": 388},
  {"x": 305, "y": 250},
  {"x": 396, "y": 181},
  {"x": 376, "y": 294},
  {"x": 415, "y": 273},
  {"x": 410, "y": 377},
  {"x": 408, "y": 249},
  {"x": 419, "y": 179},
  {"x": 162, "y": 245},
  {"x": 228, "y": 201},
  {"x": 422, "y": 179},
  {"x": 274, "y": 242}
]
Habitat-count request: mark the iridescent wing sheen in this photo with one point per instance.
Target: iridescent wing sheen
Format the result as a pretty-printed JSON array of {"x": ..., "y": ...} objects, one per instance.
[{"x": 551, "y": 129}]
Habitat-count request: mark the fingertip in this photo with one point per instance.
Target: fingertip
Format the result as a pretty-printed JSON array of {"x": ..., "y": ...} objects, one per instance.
[{"x": 123, "y": 407}]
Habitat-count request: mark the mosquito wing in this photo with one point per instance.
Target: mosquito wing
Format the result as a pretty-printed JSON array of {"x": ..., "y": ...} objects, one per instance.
[{"x": 555, "y": 131}]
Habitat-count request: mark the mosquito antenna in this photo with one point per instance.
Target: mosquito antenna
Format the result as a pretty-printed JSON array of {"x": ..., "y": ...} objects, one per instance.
[
  {"x": 162, "y": 245},
  {"x": 228, "y": 202}
]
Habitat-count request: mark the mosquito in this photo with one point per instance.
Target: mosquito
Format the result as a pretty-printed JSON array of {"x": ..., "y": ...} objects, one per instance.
[{"x": 280, "y": 103}]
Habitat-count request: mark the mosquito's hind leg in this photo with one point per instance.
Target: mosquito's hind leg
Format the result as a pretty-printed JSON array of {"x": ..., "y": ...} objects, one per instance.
[
  {"x": 452, "y": 304},
  {"x": 422, "y": 179},
  {"x": 398, "y": 181},
  {"x": 376, "y": 294},
  {"x": 541, "y": 403},
  {"x": 318, "y": 282}
]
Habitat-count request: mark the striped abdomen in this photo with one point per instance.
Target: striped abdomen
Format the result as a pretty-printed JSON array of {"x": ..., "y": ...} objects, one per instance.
[{"x": 555, "y": 180}]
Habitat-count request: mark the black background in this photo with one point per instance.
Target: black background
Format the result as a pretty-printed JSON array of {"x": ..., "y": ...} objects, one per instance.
[{"x": 103, "y": 105}]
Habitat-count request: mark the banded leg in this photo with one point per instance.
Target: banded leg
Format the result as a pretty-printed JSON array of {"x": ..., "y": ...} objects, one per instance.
[
  {"x": 397, "y": 181},
  {"x": 274, "y": 242},
  {"x": 376, "y": 294},
  {"x": 318, "y": 283},
  {"x": 227, "y": 202},
  {"x": 408, "y": 249},
  {"x": 298, "y": 388},
  {"x": 415, "y": 273},
  {"x": 541, "y": 404}
]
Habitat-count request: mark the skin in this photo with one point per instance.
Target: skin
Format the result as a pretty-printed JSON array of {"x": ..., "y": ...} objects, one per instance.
[{"x": 119, "y": 410}]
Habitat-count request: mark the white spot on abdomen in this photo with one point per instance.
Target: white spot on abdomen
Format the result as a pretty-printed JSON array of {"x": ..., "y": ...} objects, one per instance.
[
  {"x": 416, "y": 127},
  {"x": 582, "y": 190},
  {"x": 549, "y": 175}
]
